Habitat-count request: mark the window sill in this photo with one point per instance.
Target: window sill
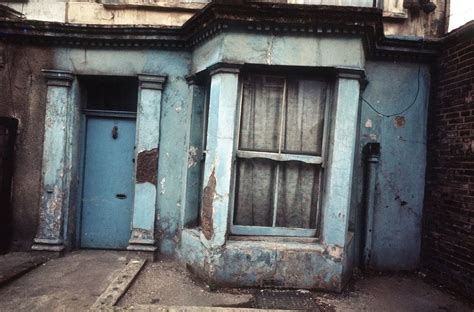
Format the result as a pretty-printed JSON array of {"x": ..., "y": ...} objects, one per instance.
[
  {"x": 277, "y": 239},
  {"x": 271, "y": 231}
]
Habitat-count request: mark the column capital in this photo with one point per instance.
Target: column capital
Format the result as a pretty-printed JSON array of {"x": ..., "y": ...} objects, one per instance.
[
  {"x": 192, "y": 79},
  {"x": 148, "y": 81},
  {"x": 59, "y": 78},
  {"x": 350, "y": 73},
  {"x": 224, "y": 68}
]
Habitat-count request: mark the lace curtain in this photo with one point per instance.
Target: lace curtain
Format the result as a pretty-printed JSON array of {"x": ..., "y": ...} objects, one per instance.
[{"x": 282, "y": 116}]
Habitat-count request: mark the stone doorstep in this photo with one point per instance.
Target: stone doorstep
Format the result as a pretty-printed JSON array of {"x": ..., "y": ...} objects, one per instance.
[
  {"x": 14, "y": 265},
  {"x": 159, "y": 308}
]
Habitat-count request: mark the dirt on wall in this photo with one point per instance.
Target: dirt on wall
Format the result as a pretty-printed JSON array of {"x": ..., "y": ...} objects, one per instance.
[{"x": 23, "y": 96}]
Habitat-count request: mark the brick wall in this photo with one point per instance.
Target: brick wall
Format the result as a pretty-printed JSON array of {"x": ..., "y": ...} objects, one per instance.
[{"x": 448, "y": 224}]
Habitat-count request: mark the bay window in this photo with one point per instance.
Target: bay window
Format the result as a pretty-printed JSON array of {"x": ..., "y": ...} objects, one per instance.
[{"x": 280, "y": 155}]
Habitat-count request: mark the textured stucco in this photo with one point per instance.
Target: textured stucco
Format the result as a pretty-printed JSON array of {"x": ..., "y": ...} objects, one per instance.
[
  {"x": 400, "y": 178},
  {"x": 23, "y": 96}
]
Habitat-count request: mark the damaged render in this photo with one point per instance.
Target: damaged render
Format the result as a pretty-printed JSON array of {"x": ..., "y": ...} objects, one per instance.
[
  {"x": 147, "y": 166},
  {"x": 207, "y": 206}
]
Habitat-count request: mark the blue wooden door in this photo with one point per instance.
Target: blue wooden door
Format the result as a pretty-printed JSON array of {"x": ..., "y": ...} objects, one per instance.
[{"x": 108, "y": 181}]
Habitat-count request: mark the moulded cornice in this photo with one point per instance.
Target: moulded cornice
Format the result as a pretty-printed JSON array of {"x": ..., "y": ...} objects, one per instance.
[{"x": 215, "y": 18}]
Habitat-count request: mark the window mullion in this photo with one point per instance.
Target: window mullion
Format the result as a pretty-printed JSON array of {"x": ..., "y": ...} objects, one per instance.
[
  {"x": 275, "y": 201},
  {"x": 280, "y": 139}
]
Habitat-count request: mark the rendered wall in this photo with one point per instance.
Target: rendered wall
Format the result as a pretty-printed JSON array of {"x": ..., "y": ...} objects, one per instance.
[
  {"x": 400, "y": 180},
  {"x": 391, "y": 88},
  {"x": 23, "y": 96}
]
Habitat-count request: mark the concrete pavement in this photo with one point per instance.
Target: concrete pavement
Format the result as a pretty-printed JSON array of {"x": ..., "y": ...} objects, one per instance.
[{"x": 83, "y": 278}]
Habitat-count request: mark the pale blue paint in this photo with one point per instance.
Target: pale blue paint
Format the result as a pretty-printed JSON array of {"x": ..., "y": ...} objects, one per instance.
[
  {"x": 148, "y": 138},
  {"x": 148, "y": 119},
  {"x": 174, "y": 120},
  {"x": 56, "y": 173},
  {"x": 222, "y": 260},
  {"x": 223, "y": 103},
  {"x": 260, "y": 263},
  {"x": 401, "y": 171},
  {"x": 342, "y": 143},
  {"x": 241, "y": 48},
  {"x": 108, "y": 171},
  {"x": 195, "y": 156},
  {"x": 144, "y": 206}
]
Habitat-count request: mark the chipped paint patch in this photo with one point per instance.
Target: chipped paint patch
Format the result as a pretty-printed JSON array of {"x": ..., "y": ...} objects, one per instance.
[
  {"x": 162, "y": 186},
  {"x": 193, "y": 156},
  {"x": 207, "y": 206},
  {"x": 368, "y": 123},
  {"x": 399, "y": 121},
  {"x": 141, "y": 234},
  {"x": 335, "y": 252},
  {"x": 147, "y": 166}
]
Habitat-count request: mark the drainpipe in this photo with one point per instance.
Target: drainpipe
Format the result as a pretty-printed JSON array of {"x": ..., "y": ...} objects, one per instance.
[{"x": 372, "y": 155}]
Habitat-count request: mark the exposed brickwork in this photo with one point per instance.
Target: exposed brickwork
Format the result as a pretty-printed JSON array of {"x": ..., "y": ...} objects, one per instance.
[{"x": 448, "y": 233}]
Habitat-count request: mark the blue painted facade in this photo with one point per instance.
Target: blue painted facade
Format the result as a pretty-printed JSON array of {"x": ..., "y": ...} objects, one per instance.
[{"x": 190, "y": 97}]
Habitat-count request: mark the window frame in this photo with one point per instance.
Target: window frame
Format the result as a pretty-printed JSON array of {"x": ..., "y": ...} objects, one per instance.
[{"x": 250, "y": 230}]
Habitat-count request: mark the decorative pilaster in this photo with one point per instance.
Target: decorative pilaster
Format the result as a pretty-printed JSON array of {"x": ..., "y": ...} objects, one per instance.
[
  {"x": 55, "y": 167},
  {"x": 190, "y": 212},
  {"x": 340, "y": 167},
  {"x": 146, "y": 170},
  {"x": 216, "y": 194}
]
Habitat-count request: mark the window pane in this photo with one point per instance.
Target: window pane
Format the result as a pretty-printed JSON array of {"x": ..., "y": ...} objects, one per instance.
[
  {"x": 113, "y": 93},
  {"x": 261, "y": 113},
  {"x": 298, "y": 193},
  {"x": 304, "y": 117},
  {"x": 255, "y": 189}
]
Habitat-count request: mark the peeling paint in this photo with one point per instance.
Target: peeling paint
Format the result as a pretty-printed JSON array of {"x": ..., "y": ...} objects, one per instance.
[
  {"x": 335, "y": 252},
  {"x": 368, "y": 123},
  {"x": 270, "y": 50},
  {"x": 162, "y": 186},
  {"x": 147, "y": 166},
  {"x": 193, "y": 156},
  {"x": 141, "y": 234},
  {"x": 207, "y": 206},
  {"x": 399, "y": 122}
]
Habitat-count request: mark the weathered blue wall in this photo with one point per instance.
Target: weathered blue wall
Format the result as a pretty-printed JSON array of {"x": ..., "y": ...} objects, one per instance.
[
  {"x": 174, "y": 118},
  {"x": 268, "y": 49},
  {"x": 392, "y": 87},
  {"x": 401, "y": 170}
]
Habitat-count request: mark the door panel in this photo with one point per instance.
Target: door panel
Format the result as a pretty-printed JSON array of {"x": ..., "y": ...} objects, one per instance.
[{"x": 108, "y": 183}]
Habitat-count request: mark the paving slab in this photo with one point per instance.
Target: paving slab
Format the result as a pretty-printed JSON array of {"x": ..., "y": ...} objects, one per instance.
[
  {"x": 166, "y": 286},
  {"x": 15, "y": 264},
  {"x": 166, "y": 283},
  {"x": 392, "y": 293},
  {"x": 156, "y": 308},
  {"x": 71, "y": 283}
]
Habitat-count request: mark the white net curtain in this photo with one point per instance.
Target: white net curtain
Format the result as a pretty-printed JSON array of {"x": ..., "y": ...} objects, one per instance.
[{"x": 282, "y": 116}]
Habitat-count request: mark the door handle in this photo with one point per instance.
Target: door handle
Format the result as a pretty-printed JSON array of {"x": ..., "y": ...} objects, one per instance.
[
  {"x": 115, "y": 132},
  {"x": 121, "y": 196}
]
